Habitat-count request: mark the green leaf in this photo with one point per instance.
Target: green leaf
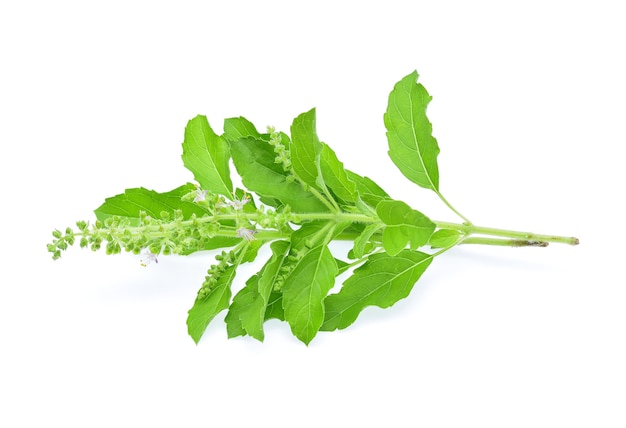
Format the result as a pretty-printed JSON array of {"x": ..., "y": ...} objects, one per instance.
[
  {"x": 444, "y": 238},
  {"x": 241, "y": 304},
  {"x": 403, "y": 226},
  {"x": 304, "y": 291},
  {"x": 335, "y": 176},
  {"x": 275, "y": 307},
  {"x": 254, "y": 160},
  {"x": 361, "y": 241},
  {"x": 409, "y": 132},
  {"x": 341, "y": 266},
  {"x": 206, "y": 155},
  {"x": 306, "y": 148},
  {"x": 368, "y": 190},
  {"x": 381, "y": 281},
  {"x": 130, "y": 204},
  {"x": 205, "y": 309},
  {"x": 249, "y": 306},
  {"x": 238, "y": 127}
]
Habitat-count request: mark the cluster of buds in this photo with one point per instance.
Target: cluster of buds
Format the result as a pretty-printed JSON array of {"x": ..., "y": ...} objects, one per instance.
[
  {"x": 283, "y": 156},
  {"x": 225, "y": 260},
  {"x": 225, "y": 223}
]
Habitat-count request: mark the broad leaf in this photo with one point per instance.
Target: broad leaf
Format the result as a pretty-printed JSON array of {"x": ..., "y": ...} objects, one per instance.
[
  {"x": 205, "y": 309},
  {"x": 335, "y": 176},
  {"x": 306, "y": 149},
  {"x": 275, "y": 307},
  {"x": 409, "y": 133},
  {"x": 341, "y": 266},
  {"x": 238, "y": 127},
  {"x": 206, "y": 155},
  {"x": 381, "y": 281},
  {"x": 133, "y": 201},
  {"x": 254, "y": 160},
  {"x": 304, "y": 291},
  {"x": 403, "y": 226}
]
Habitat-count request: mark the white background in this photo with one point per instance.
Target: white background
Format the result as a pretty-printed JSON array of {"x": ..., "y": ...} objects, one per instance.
[{"x": 529, "y": 112}]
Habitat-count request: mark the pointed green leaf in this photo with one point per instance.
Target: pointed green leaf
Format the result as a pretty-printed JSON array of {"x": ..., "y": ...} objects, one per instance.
[
  {"x": 130, "y": 204},
  {"x": 242, "y": 302},
  {"x": 361, "y": 241},
  {"x": 306, "y": 148},
  {"x": 275, "y": 307},
  {"x": 254, "y": 160},
  {"x": 304, "y": 291},
  {"x": 335, "y": 176},
  {"x": 403, "y": 226},
  {"x": 381, "y": 281},
  {"x": 409, "y": 132},
  {"x": 206, "y": 155},
  {"x": 341, "y": 266},
  {"x": 368, "y": 190},
  {"x": 205, "y": 309},
  {"x": 444, "y": 237},
  {"x": 250, "y": 305},
  {"x": 238, "y": 127}
]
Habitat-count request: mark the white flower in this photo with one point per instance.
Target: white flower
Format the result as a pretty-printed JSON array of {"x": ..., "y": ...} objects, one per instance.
[
  {"x": 200, "y": 195},
  {"x": 238, "y": 204},
  {"x": 247, "y": 234},
  {"x": 148, "y": 257}
]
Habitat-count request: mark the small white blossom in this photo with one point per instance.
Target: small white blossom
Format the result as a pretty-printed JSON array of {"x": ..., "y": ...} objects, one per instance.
[
  {"x": 200, "y": 195},
  {"x": 247, "y": 234},
  {"x": 148, "y": 257},
  {"x": 239, "y": 203}
]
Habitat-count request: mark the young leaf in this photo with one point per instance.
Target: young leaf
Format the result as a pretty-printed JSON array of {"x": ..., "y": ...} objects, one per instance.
[
  {"x": 206, "y": 155},
  {"x": 368, "y": 190},
  {"x": 335, "y": 176},
  {"x": 403, "y": 226},
  {"x": 409, "y": 132},
  {"x": 241, "y": 304},
  {"x": 130, "y": 204},
  {"x": 205, "y": 309},
  {"x": 306, "y": 148},
  {"x": 381, "y": 281},
  {"x": 304, "y": 291},
  {"x": 444, "y": 237},
  {"x": 254, "y": 160},
  {"x": 361, "y": 241},
  {"x": 250, "y": 304}
]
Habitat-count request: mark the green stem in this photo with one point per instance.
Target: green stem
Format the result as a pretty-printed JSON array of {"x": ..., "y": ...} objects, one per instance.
[
  {"x": 516, "y": 238},
  {"x": 470, "y": 229},
  {"x": 445, "y": 201},
  {"x": 504, "y": 242},
  {"x": 331, "y": 206}
]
